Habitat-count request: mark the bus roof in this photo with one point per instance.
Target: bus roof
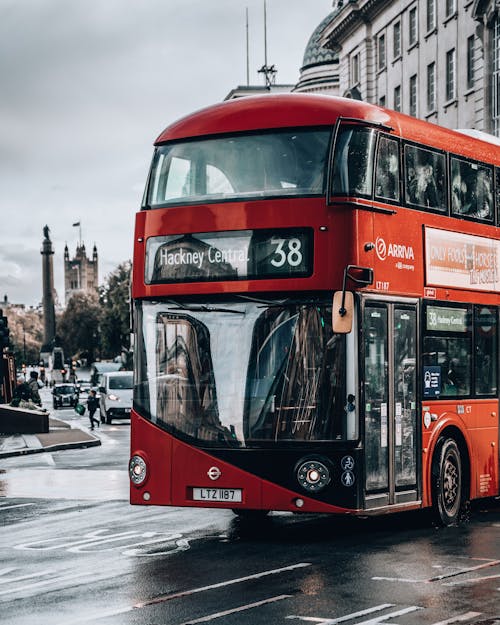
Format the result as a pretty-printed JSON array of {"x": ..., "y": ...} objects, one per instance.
[{"x": 293, "y": 110}]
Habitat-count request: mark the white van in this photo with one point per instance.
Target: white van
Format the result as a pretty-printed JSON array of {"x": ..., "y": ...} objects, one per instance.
[{"x": 115, "y": 401}]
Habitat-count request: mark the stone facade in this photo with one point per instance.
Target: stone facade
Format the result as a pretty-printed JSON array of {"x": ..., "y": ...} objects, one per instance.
[{"x": 438, "y": 60}]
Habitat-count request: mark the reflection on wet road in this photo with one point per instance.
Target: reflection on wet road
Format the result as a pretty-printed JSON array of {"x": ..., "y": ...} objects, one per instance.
[{"x": 49, "y": 483}]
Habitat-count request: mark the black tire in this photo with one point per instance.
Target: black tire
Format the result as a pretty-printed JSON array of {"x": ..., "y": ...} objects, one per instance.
[
  {"x": 108, "y": 419},
  {"x": 447, "y": 482}
]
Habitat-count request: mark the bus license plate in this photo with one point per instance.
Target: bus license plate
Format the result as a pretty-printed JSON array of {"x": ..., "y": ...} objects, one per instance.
[{"x": 217, "y": 494}]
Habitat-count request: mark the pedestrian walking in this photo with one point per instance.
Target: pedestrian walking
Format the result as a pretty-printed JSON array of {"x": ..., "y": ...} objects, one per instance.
[
  {"x": 33, "y": 384},
  {"x": 92, "y": 405}
]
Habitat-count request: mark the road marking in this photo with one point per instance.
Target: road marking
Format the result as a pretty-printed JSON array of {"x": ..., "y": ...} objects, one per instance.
[
  {"x": 248, "y": 606},
  {"x": 17, "y": 505},
  {"x": 472, "y": 581},
  {"x": 97, "y": 541},
  {"x": 9, "y": 580},
  {"x": 341, "y": 619},
  {"x": 460, "y": 618},
  {"x": 89, "y": 616},
  {"x": 439, "y": 578},
  {"x": 44, "y": 582},
  {"x": 229, "y": 582},
  {"x": 381, "y": 618},
  {"x": 467, "y": 570}
]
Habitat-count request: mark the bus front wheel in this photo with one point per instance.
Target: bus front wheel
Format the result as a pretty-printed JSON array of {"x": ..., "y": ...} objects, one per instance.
[{"x": 447, "y": 482}]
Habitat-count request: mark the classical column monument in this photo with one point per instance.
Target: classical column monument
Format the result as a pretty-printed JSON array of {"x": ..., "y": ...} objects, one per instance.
[{"x": 49, "y": 314}]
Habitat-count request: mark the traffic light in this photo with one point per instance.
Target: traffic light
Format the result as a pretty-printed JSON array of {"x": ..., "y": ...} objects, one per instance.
[{"x": 4, "y": 331}]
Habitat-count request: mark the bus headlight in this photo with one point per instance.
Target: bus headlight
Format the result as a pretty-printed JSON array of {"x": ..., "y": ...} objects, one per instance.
[
  {"x": 313, "y": 474},
  {"x": 137, "y": 470}
]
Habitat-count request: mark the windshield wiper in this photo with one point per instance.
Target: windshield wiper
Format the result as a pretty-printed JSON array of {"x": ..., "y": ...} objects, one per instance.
[{"x": 202, "y": 308}]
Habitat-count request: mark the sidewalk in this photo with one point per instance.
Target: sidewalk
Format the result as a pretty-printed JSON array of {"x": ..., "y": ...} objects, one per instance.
[{"x": 60, "y": 436}]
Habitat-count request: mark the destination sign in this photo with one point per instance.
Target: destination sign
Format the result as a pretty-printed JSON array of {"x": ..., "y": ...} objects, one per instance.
[
  {"x": 443, "y": 319},
  {"x": 233, "y": 255}
]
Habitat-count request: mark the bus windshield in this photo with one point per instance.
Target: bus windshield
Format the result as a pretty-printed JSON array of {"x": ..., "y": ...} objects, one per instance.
[
  {"x": 271, "y": 164},
  {"x": 241, "y": 374}
]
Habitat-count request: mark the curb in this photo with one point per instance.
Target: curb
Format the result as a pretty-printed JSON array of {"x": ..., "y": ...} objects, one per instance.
[{"x": 91, "y": 441}]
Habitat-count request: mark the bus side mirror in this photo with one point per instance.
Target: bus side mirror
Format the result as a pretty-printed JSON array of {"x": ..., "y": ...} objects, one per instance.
[{"x": 342, "y": 312}]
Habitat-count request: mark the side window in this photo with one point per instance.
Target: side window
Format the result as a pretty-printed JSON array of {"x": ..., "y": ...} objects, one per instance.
[
  {"x": 486, "y": 350},
  {"x": 471, "y": 190},
  {"x": 387, "y": 170},
  {"x": 497, "y": 193},
  {"x": 353, "y": 162},
  {"x": 425, "y": 178},
  {"x": 448, "y": 349}
]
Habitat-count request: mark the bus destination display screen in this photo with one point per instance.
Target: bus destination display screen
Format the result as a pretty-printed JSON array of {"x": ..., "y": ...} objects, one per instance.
[{"x": 233, "y": 255}]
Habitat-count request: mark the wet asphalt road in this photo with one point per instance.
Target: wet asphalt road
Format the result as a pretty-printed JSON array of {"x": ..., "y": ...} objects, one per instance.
[{"x": 72, "y": 550}]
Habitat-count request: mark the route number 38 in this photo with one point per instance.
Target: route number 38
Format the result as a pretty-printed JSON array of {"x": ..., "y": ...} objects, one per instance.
[{"x": 287, "y": 251}]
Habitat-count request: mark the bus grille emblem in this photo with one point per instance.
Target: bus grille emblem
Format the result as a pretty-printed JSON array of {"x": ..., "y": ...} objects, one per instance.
[{"x": 214, "y": 473}]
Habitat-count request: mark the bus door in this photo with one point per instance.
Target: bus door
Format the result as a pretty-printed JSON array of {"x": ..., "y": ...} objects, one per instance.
[{"x": 388, "y": 376}]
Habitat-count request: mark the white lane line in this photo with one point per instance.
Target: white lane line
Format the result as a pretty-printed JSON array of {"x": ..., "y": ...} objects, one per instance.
[
  {"x": 476, "y": 580},
  {"x": 62, "y": 578},
  {"x": 20, "y": 578},
  {"x": 229, "y": 582},
  {"x": 17, "y": 505},
  {"x": 342, "y": 619},
  {"x": 249, "y": 606},
  {"x": 90, "y": 617},
  {"x": 467, "y": 570},
  {"x": 405, "y": 580},
  {"x": 438, "y": 578},
  {"x": 460, "y": 618}
]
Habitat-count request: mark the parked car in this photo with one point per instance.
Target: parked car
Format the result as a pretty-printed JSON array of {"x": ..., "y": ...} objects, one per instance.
[
  {"x": 64, "y": 395},
  {"x": 115, "y": 401}
]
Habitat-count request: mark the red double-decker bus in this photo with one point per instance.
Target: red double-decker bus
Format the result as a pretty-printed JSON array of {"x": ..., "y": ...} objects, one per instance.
[{"x": 316, "y": 287}]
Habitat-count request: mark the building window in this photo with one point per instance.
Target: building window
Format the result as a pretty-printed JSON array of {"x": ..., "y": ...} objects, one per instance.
[
  {"x": 355, "y": 70},
  {"x": 470, "y": 62},
  {"x": 450, "y": 75},
  {"x": 412, "y": 27},
  {"x": 495, "y": 104},
  {"x": 431, "y": 87},
  {"x": 381, "y": 100},
  {"x": 413, "y": 95},
  {"x": 451, "y": 7},
  {"x": 396, "y": 41},
  {"x": 381, "y": 52},
  {"x": 397, "y": 98},
  {"x": 431, "y": 15}
]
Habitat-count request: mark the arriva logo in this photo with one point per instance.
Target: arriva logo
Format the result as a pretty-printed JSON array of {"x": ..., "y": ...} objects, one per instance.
[{"x": 395, "y": 251}]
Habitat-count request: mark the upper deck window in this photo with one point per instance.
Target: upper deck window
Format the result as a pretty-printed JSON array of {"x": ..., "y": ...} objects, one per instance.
[
  {"x": 353, "y": 161},
  {"x": 271, "y": 164},
  {"x": 425, "y": 180}
]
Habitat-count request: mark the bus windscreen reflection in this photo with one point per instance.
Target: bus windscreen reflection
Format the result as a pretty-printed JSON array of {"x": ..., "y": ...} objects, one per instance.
[{"x": 269, "y": 374}]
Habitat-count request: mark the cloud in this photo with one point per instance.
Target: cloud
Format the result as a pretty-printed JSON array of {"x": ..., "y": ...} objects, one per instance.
[{"x": 87, "y": 86}]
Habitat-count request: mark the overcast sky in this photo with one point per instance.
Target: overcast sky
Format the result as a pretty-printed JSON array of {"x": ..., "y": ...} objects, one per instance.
[{"x": 85, "y": 88}]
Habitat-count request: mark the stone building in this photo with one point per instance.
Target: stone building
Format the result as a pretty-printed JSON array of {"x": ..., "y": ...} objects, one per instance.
[
  {"x": 436, "y": 60},
  {"x": 320, "y": 66},
  {"x": 80, "y": 272}
]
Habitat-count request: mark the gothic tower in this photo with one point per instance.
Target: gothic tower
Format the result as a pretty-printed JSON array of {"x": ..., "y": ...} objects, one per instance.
[{"x": 80, "y": 273}]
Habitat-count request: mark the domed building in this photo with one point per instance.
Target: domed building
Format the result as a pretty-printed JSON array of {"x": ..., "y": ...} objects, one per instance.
[{"x": 320, "y": 67}]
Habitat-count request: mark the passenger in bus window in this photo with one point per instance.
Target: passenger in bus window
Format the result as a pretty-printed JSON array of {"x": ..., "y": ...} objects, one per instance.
[
  {"x": 458, "y": 193},
  {"x": 482, "y": 197},
  {"x": 427, "y": 193}
]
